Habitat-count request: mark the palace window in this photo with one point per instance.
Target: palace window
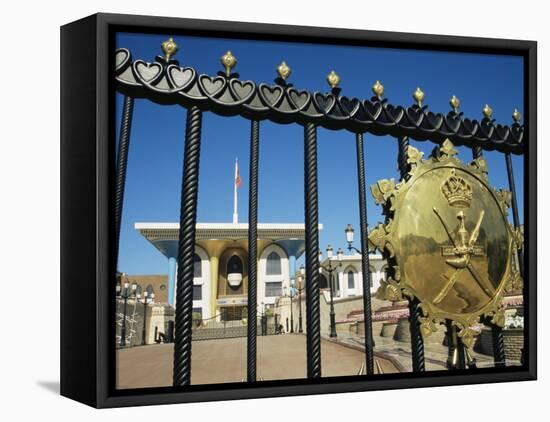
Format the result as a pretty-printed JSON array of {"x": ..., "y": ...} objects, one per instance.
[
  {"x": 351, "y": 280},
  {"x": 273, "y": 264},
  {"x": 273, "y": 288},
  {"x": 197, "y": 266},
  {"x": 197, "y": 292}
]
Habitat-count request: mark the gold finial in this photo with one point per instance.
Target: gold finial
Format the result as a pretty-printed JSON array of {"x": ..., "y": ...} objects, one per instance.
[
  {"x": 418, "y": 96},
  {"x": 487, "y": 111},
  {"x": 454, "y": 102},
  {"x": 516, "y": 115},
  {"x": 169, "y": 48},
  {"x": 284, "y": 71},
  {"x": 333, "y": 79},
  {"x": 378, "y": 89},
  {"x": 228, "y": 61}
]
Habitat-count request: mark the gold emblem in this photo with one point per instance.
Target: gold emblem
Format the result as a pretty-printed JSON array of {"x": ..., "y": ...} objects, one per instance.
[{"x": 447, "y": 240}]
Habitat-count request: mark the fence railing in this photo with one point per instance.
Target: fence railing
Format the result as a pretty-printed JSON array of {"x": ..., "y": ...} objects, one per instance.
[{"x": 166, "y": 82}]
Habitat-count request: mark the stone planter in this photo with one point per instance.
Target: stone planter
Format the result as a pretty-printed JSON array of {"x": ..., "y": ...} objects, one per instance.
[
  {"x": 513, "y": 343},
  {"x": 388, "y": 329},
  {"x": 402, "y": 331}
]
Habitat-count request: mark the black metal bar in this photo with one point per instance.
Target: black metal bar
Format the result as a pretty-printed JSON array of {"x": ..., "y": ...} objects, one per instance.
[
  {"x": 417, "y": 342},
  {"x": 252, "y": 251},
  {"x": 515, "y": 212},
  {"x": 331, "y": 313},
  {"x": 143, "y": 342},
  {"x": 496, "y": 331},
  {"x": 300, "y": 327},
  {"x": 123, "y": 329},
  {"x": 312, "y": 252},
  {"x": 365, "y": 264},
  {"x": 517, "y": 224},
  {"x": 291, "y": 313},
  {"x": 498, "y": 346},
  {"x": 122, "y": 162},
  {"x": 186, "y": 249}
]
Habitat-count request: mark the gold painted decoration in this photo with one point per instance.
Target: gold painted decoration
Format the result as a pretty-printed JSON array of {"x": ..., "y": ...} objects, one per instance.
[
  {"x": 228, "y": 61},
  {"x": 283, "y": 71},
  {"x": 516, "y": 115},
  {"x": 455, "y": 103},
  {"x": 333, "y": 79},
  {"x": 447, "y": 240},
  {"x": 487, "y": 111},
  {"x": 378, "y": 89},
  {"x": 418, "y": 96},
  {"x": 169, "y": 48}
]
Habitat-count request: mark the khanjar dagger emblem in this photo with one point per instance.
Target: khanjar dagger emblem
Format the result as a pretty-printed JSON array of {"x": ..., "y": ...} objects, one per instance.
[{"x": 447, "y": 241}]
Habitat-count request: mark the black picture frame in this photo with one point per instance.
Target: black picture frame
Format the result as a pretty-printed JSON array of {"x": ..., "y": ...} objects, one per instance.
[{"x": 87, "y": 261}]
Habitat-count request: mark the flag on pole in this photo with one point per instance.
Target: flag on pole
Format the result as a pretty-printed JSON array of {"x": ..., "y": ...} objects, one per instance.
[{"x": 237, "y": 176}]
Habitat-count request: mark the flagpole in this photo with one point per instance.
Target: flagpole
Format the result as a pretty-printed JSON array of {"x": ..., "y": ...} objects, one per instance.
[{"x": 235, "y": 213}]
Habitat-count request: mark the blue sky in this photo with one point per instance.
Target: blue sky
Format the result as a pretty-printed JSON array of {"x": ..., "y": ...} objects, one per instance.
[{"x": 156, "y": 153}]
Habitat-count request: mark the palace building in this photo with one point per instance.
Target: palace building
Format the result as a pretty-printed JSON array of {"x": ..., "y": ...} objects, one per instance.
[
  {"x": 221, "y": 263},
  {"x": 220, "y": 284}
]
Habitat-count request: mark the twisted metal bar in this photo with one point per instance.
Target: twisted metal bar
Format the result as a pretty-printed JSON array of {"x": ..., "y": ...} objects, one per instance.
[
  {"x": 122, "y": 161},
  {"x": 312, "y": 252},
  {"x": 252, "y": 249},
  {"x": 515, "y": 212},
  {"x": 515, "y": 216},
  {"x": 496, "y": 331},
  {"x": 186, "y": 249},
  {"x": 367, "y": 309},
  {"x": 498, "y": 346},
  {"x": 477, "y": 151},
  {"x": 417, "y": 343}
]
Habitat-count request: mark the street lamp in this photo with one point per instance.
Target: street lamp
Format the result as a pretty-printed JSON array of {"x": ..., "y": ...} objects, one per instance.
[
  {"x": 125, "y": 293},
  {"x": 300, "y": 286},
  {"x": 146, "y": 301},
  {"x": 349, "y": 239},
  {"x": 263, "y": 319},
  {"x": 291, "y": 311},
  {"x": 330, "y": 269}
]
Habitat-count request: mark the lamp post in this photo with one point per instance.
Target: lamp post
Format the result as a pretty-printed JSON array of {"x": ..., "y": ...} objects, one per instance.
[
  {"x": 146, "y": 301},
  {"x": 300, "y": 286},
  {"x": 263, "y": 319},
  {"x": 349, "y": 238},
  {"x": 330, "y": 268},
  {"x": 291, "y": 311},
  {"x": 125, "y": 293}
]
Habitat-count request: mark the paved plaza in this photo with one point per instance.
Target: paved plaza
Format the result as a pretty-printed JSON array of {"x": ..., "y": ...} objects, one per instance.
[{"x": 224, "y": 360}]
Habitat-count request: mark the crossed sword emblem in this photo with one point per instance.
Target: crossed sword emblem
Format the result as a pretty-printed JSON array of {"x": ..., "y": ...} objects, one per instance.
[{"x": 463, "y": 249}]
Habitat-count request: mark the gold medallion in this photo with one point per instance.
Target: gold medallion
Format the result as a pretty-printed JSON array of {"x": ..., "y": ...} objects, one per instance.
[{"x": 447, "y": 240}]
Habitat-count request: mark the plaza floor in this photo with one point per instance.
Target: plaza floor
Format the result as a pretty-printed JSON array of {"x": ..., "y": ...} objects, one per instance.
[{"x": 220, "y": 361}]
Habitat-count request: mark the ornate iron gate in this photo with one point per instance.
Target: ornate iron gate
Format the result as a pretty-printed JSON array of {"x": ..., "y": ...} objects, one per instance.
[{"x": 165, "y": 82}]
